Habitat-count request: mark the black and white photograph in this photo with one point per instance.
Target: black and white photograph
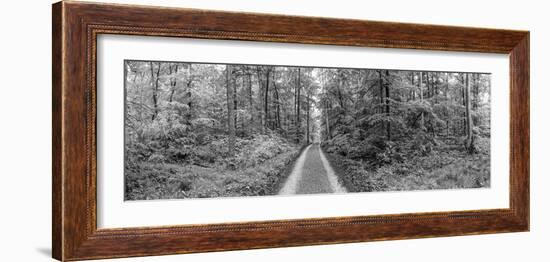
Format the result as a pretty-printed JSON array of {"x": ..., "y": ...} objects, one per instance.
[
  {"x": 206, "y": 130},
  {"x": 275, "y": 131}
]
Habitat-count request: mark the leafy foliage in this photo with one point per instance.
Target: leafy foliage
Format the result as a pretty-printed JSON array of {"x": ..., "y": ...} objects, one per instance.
[
  {"x": 205, "y": 130},
  {"x": 392, "y": 133},
  {"x": 180, "y": 142},
  {"x": 261, "y": 165}
]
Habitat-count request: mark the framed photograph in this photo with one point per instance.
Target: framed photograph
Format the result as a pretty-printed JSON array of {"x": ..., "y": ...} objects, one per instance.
[{"x": 182, "y": 130}]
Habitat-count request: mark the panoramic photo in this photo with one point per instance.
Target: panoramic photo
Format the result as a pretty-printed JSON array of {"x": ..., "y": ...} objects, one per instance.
[{"x": 206, "y": 130}]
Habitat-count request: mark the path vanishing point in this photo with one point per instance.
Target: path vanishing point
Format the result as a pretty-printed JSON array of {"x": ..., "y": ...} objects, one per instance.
[{"x": 312, "y": 174}]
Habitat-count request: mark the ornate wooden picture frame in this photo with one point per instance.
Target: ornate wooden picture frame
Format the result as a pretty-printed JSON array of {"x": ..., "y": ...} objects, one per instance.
[{"x": 76, "y": 26}]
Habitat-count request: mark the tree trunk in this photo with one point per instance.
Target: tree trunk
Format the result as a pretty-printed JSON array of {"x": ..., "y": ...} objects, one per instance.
[
  {"x": 277, "y": 103},
  {"x": 326, "y": 104},
  {"x": 329, "y": 136},
  {"x": 380, "y": 108},
  {"x": 387, "y": 87},
  {"x": 307, "y": 119},
  {"x": 230, "y": 113},
  {"x": 189, "y": 93},
  {"x": 250, "y": 100},
  {"x": 446, "y": 100},
  {"x": 420, "y": 76},
  {"x": 432, "y": 82},
  {"x": 283, "y": 120},
  {"x": 266, "y": 98},
  {"x": 413, "y": 93},
  {"x": 173, "y": 82},
  {"x": 470, "y": 135},
  {"x": 428, "y": 89},
  {"x": 293, "y": 114},
  {"x": 155, "y": 86},
  {"x": 475, "y": 100},
  {"x": 261, "y": 89},
  {"x": 298, "y": 124},
  {"x": 436, "y": 87},
  {"x": 235, "y": 101},
  {"x": 141, "y": 101},
  {"x": 339, "y": 86},
  {"x": 465, "y": 114}
]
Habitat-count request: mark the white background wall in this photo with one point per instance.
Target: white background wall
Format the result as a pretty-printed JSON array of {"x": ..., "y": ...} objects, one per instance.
[{"x": 25, "y": 147}]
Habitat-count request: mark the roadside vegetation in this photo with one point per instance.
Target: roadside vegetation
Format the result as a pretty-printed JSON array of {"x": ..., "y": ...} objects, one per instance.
[
  {"x": 210, "y": 130},
  {"x": 416, "y": 131},
  {"x": 255, "y": 171}
]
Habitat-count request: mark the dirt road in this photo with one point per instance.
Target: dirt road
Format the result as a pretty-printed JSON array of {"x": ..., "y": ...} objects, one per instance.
[{"x": 312, "y": 174}]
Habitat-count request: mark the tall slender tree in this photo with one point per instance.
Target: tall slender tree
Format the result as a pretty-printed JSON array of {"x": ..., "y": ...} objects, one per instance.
[
  {"x": 266, "y": 98},
  {"x": 421, "y": 91},
  {"x": 277, "y": 101},
  {"x": 326, "y": 103},
  {"x": 173, "y": 81},
  {"x": 230, "y": 107},
  {"x": 250, "y": 99},
  {"x": 387, "y": 100},
  {"x": 298, "y": 101},
  {"x": 469, "y": 128},
  {"x": 155, "y": 87}
]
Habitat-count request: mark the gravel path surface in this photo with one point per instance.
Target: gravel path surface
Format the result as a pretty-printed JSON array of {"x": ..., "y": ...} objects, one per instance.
[{"x": 312, "y": 174}]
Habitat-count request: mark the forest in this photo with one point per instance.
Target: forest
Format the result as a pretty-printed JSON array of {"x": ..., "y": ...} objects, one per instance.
[{"x": 196, "y": 130}]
